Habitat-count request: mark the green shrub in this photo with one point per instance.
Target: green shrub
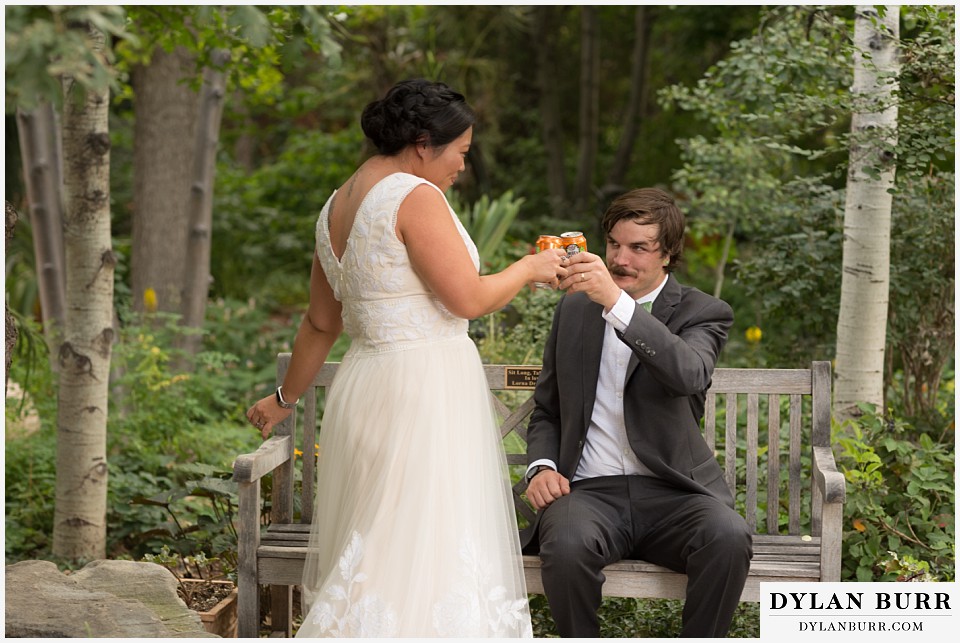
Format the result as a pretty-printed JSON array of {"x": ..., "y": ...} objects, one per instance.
[
  {"x": 900, "y": 498},
  {"x": 172, "y": 434},
  {"x": 264, "y": 229},
  {"x": 642, "y": 618}
]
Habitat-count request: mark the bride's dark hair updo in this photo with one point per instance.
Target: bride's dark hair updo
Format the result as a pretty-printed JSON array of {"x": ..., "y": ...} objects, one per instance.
[{"x": 416, "y": 111}]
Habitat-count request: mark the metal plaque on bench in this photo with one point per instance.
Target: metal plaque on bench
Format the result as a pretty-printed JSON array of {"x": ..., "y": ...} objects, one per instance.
[{"x": 520, "y": 377}]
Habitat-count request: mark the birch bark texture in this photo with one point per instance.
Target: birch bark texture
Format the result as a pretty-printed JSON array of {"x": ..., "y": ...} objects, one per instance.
[
  {"x": 79, "y": 526},
  {"x": 197, "y": 276},
  {"x": 865, "y": 282},
  {"x": 37, "y": 132}
]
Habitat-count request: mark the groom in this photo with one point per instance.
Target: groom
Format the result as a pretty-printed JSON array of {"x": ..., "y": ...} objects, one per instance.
[{"x": 617, "y": 464}]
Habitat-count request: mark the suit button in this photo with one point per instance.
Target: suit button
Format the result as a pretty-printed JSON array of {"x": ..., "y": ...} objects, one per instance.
[
  {"x": 651, "y": 352},
  {"x": 639, "y": 343}
]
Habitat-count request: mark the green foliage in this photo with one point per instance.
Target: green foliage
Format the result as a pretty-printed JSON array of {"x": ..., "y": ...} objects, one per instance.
[
  {"x": 642, "y": 618},
  {"x": 44, "y": 43},
  {"x": 772, "y": 166},
  {"x": 172, "y": 436},
  {"x": 517, "y": 333},
  {"x": 487, "y": 222},
  {"x": 30, "y": 447},
  {"x": 29, "y": 489},
  {"x": 908, "y": 569},
  {"x": 927, "y": 106},
  {"x": 21, "y": 288},
  {"x": 200, "y": 513},
  {"x": 791, "y": 273},
  {"x": 900, "y": 498},
  {"x": 266, "y": 220},
  {"x": 193, "y": 566},
  {"x": 258, "y": 39},
  {"x": 921, "y": 323}
]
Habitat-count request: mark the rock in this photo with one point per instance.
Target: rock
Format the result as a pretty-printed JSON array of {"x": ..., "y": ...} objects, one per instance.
[{"x": 105, "y": 599}]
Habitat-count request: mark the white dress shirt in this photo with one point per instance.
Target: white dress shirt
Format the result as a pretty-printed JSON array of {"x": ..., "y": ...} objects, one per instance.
[{"x": 606, "y": 450}]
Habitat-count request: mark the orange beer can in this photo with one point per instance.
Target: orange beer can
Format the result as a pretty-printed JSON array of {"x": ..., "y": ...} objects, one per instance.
[
  {"x": 573, "y": 242},
  {"x": 546, "y": 241}
]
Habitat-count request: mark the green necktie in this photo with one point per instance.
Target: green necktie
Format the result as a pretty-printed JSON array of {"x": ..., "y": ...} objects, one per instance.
[{"x": 647, "y": 306}]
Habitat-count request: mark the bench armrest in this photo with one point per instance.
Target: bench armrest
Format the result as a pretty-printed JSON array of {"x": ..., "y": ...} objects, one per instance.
[
  {"x": 831, "y": 482},
  {"x": 253, "y": 466}
]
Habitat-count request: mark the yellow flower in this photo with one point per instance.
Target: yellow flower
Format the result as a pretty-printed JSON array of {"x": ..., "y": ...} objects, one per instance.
[
  {"x": 753, "y": 335},
  {"x": 150, "y": 300},
  {"x": 858, "y": 525}
]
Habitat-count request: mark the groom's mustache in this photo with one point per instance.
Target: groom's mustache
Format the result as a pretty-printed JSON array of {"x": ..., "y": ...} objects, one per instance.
[{"x": 620, "y": 271}]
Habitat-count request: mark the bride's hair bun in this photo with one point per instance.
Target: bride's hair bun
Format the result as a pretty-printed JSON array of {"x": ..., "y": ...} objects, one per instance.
[{"x": 415, "y": 111}]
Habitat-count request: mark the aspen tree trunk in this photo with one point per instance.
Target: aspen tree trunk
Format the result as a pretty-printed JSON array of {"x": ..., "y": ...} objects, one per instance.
[
  {"x": 544, "y": 46},
  {"x": 865, "y": 284},
  {"x": 165, "y": 110},
  {"x": 200, "y": 208},
  {"x": 589, "y": 106},
  {"x": 79, "y": 523},
  {"x": 639, "y": 71},
  {"x": 37, "y": 131},
  {"x": 10, "y": 324}
]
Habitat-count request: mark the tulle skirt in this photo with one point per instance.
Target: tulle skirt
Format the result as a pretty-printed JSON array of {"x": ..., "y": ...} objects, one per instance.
[{"x": 414, "y": 532}]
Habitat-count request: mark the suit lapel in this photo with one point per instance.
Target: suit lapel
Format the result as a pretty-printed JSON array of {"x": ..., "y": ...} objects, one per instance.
[
  {"x": 667, "y": 300},
  {"x": 591, "y": 347},
  {"x": 663, "y": 307}
]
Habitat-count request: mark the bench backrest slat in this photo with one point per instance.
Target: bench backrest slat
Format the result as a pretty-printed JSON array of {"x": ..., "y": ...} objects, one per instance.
[
  {"x": 745, "y": 405},
  {"x": 796, "y": 404},
  {"x": 309, "y": 473},
  {"x": 751, "y": 458},
  {"x": 730, "y": 442},
  {"x": 773, "y": 464}
]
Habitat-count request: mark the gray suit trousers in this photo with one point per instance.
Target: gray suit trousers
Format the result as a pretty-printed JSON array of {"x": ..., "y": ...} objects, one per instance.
[{"x": 607, "y": 519}]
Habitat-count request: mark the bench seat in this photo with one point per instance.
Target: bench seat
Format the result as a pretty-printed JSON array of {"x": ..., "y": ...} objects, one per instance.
[
  {"x": 763, "y": 424},
  {"x": 775, "y": 559}
]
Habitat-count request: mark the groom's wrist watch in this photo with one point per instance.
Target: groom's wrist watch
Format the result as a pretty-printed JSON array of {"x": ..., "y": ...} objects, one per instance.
[{"x": 537, "y": 469}]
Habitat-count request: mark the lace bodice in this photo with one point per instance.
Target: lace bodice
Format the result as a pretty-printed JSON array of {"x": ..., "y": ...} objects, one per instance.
[{"x": 386, "y": 306}]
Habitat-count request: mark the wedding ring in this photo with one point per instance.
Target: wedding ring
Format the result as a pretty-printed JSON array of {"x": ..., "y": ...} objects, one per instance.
[{"x": 583, "y": 276}]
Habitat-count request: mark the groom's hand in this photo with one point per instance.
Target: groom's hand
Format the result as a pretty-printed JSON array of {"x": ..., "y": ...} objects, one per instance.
[
  {"x": 588, "y": 273},
  {"x": 547, "y": 486}
]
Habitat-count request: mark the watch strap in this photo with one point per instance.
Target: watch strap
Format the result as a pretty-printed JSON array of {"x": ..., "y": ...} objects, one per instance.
[{"x": 282, "y": 402}]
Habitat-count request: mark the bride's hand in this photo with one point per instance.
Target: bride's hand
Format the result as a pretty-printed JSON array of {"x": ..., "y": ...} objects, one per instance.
[
  {"x": 547, "y": 266},
  {"x": 266, "y": 414}
]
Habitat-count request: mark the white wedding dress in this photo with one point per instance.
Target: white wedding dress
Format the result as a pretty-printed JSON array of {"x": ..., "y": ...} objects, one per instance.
[{"x": 414, "y": 533}]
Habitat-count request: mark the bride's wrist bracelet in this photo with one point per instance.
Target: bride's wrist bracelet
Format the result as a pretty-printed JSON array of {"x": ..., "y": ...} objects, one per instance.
[{"x": 282, "y": 402}]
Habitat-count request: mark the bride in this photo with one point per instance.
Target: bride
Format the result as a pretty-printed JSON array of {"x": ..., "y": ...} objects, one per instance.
[{"x": 415, "y": 532}]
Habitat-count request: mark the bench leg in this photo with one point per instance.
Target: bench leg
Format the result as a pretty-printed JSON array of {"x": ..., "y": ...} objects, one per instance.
[
  {"x": 248, "y": 541},
  {"x": 281, "y": 610}
]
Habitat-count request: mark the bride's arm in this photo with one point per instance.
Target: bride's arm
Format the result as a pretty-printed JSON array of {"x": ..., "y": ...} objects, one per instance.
[
  {"x": 440, "y": 257},
  {"x": 318, "y": 331}
]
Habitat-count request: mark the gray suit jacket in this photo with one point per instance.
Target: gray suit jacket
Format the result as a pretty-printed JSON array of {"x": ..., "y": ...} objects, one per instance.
[{"x": 675, "y": 349}]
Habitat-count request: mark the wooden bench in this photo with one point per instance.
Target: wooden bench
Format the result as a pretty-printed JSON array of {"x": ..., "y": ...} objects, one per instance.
[{"x": 797, "y": 521}]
